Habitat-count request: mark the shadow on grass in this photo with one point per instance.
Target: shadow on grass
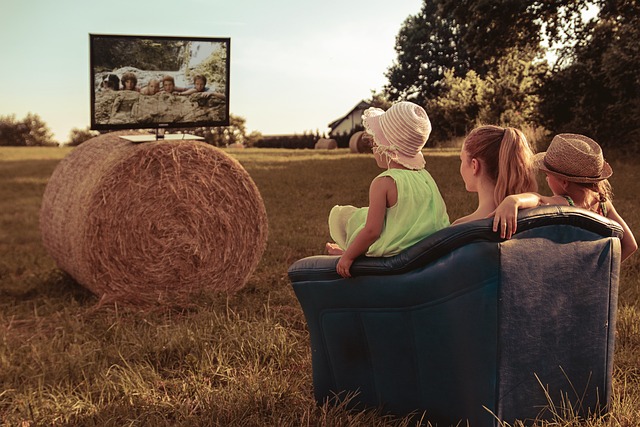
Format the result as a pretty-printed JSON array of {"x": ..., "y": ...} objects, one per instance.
[{"x": 54, "y": 284}]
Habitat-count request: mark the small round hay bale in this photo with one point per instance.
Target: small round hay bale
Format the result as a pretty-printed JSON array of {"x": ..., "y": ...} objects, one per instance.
[
  {"x": 359, "y": 143},
  {"x": 153, "y": 223},
  {"x": 326, "y": 144}
]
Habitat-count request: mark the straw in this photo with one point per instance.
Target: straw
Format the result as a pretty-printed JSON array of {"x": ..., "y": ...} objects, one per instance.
[{"x": 153, "y": 223}]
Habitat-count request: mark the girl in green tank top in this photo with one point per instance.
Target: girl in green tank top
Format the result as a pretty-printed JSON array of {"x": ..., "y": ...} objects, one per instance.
[{"x": 405, "y": 205}]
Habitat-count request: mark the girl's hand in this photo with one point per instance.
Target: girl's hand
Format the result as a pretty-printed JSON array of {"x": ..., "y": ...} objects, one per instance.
[
  {"x": 505, "y": 217},
  {"x": 343, "y": 266}
]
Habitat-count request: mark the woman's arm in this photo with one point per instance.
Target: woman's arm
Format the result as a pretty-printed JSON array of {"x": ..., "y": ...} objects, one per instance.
[
  {"x": 373, "y": 225},
  {"x": 505, "y": 217},
  {"x": 628, "y": 243}
]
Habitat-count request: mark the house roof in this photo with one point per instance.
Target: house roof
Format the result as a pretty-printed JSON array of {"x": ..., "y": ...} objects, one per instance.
[{"x": 362, "y": 105}]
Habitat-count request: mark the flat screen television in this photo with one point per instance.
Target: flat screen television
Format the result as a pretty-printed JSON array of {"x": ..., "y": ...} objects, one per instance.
[{"x": 158, "y": 82}]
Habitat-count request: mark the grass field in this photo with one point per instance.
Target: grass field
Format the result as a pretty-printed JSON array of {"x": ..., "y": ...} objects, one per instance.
[{"x": 229, "y": 360}]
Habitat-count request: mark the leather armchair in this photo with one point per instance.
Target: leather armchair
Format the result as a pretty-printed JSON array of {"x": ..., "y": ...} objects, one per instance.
[{"x": 466, "y": 326}]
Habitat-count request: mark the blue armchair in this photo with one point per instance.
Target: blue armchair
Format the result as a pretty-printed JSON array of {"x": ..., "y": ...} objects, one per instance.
[{"x": 466, "y": 326}]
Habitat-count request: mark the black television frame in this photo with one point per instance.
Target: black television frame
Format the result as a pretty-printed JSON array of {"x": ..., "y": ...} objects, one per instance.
[{"x": 97, "y": 70}]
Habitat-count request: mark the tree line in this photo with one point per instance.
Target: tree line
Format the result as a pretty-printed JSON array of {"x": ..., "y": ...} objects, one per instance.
[
  {"x": 33, "y": 131},
  {"x": 538, "y": 63}
]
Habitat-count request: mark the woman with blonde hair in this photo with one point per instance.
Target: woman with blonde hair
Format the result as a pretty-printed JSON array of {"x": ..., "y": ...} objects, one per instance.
[{"x": 495, "y": 162}]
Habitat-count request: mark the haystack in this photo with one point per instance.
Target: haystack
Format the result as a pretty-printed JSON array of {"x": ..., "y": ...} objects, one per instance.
[
  {"x": 358, "y": 143},
  {"x": 326, "y": 144},
  {"x": 153, "y": 223}
]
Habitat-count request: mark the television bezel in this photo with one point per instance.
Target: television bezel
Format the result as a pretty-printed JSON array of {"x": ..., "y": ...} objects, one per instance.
[{"x": 157, "y": 125}]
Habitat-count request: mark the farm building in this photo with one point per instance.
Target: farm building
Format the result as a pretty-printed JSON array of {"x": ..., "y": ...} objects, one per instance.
[{"x": 349, "y": 123}]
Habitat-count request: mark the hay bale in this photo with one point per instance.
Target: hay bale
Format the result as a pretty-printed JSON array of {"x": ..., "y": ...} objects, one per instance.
[
  {"x": 326, "y": 144},
  {"x": 360, "y": 143},
  {"x": 153, "y": 223}
]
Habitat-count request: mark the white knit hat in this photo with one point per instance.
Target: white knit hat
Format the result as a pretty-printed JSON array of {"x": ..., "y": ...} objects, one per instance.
[{"x": 400, "y": 132}]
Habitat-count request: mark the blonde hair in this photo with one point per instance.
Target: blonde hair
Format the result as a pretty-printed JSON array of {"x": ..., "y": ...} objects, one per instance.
[
  {"x": 507, "y": 158},
  {"x": 602, "y": 188}
]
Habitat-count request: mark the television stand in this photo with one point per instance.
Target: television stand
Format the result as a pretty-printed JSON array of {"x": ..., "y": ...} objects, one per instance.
[{"x": 161, "y": 136}]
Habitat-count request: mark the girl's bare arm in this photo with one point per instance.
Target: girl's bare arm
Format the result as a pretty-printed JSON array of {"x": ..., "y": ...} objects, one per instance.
[
  {"x": 628, "y": 243},
  {"x": 505, "y": 217},
  {"x": 373, "y": 226}
]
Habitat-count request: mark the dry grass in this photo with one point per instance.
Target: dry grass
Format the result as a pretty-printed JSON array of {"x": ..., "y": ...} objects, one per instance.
[{"x": 241, "y": 360}]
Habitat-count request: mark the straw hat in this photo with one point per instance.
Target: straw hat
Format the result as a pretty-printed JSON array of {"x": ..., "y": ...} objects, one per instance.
[
  {"x": 400, "y": 132},
  {"x": 575, "y": 158}
]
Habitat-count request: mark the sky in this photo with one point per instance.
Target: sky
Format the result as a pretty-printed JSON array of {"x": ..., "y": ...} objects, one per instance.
[{"x": 296, "y": 65}]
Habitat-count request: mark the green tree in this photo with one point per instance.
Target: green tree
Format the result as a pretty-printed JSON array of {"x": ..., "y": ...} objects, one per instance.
[
  {"x": 223, "y": 136},
  {"x": 491, "y": 28},
  {"x": 37, "y": 133},
  {"x": 513, "y": 84},
  {"x": 78, "y": 136},
  {"x": 10, "y": 131},
  {"x": 472, "y": 35},
  {"x": 28, "y": 132},
  {"x": 456, "y": 110},
  {"x": 506, "y": 96},
  {"x": 427, "y": 45},
  {"x": 598, "y": 94},
  {"x": 252, "y": 139},
  {"x": 379, "y": 100}
]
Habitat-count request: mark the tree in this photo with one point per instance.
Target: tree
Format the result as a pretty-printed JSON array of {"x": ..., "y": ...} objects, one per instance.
[
  {"x": 30, "y": 131},
  {"x": 427, "y": 45},
  {"x": 506, "y": 96},
  {"x": 598, "y": 94},
  {"x": 78, "y": 136},
  {"x": 457, "y": 109},
  {"x": 37, "y": 133},
  {"x": 513, "y": 84},
  {"x": 491, "y": 28},
  {"x": 253, "y": 138},
  {"x": 472, "y": 35},
  {"x": 222, "y": 136},
  {"x": 10, "y": 131},
  {"x": 379, "y": 100}
]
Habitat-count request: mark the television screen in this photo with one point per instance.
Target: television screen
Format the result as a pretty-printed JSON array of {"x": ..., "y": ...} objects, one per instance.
[{"x": 158, "y": 82}]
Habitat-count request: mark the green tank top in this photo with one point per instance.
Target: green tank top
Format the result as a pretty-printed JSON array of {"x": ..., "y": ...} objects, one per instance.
[{"x": 419, "y": 212}]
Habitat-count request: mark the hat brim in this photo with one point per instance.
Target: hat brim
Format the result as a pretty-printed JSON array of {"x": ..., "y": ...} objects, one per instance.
[
  {"x": 371, "y": 121},
  {"x": 538, "y": 161}
]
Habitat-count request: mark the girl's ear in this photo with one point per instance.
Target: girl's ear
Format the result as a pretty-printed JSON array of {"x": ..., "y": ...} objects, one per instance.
[{"x": 475, "y": 166}]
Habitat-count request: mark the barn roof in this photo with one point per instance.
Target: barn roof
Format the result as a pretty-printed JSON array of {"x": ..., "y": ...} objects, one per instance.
[{"x": 362, "y": 105}]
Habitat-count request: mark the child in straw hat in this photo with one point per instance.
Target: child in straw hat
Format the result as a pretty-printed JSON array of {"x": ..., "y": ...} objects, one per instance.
[
  {"x": 577, "y": 175},
  {"x": 405, "y": 204}
]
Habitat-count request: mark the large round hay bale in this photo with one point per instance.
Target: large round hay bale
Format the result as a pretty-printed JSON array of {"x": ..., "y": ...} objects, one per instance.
[
  {"x": 359, "y": 143},
  {"x": 153, "y": 223},
  {"x": 326, "y": 144}
]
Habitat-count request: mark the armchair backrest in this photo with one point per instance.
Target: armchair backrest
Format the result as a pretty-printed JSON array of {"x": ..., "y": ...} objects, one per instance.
[{"x": 465, "y": 326}]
